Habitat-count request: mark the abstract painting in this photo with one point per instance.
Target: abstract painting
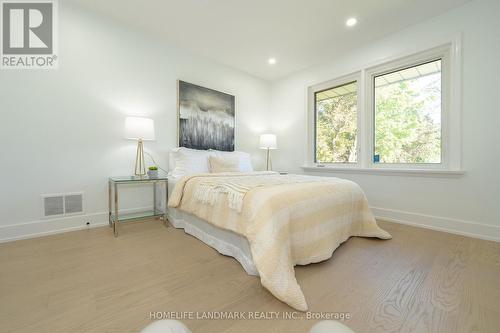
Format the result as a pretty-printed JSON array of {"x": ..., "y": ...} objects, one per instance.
[{"x": 206, "y": 118}]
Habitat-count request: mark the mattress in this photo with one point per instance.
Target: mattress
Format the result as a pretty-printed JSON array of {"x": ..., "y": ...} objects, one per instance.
[{"x": 224, "y": 241}]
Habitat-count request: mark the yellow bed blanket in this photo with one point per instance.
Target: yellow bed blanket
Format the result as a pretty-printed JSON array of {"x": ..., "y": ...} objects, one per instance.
[{"x": 288, "y": 219}]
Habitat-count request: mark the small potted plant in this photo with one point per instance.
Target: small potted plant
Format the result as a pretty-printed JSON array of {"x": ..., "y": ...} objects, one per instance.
[{"x": 153, "y": 172}]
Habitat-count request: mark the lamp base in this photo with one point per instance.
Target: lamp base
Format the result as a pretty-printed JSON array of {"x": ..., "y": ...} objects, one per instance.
[
  {"x": 140, "y": 167},
  {"x": 269, "y": 163}
]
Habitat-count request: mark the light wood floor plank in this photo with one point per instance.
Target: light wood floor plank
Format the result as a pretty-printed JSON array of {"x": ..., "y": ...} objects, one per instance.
[{"x": 89, "y": 281}]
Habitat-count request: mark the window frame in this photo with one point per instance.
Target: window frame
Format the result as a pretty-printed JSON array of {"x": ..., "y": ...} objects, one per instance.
[
  {"x": 397, "y": 65},
  {"x": 352, "y": 78},
  {"x": 451, "y": 141},
  {"x": 346, "y": 79}
]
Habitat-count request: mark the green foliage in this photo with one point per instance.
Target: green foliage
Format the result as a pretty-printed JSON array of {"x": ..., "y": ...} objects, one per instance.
[
  {"x": 336, "y": 129},
  {"x": 153, "y": 168},
  {"x": 406, "y": 131}
]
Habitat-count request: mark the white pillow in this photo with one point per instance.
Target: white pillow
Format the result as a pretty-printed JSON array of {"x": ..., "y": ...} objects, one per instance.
[
  {"x": 244, "y": 159},
  {"x": 185, "y": 161}
]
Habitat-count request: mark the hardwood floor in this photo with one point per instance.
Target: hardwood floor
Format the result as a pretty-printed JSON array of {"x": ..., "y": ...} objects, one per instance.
[{"x": 89, "y": 281}]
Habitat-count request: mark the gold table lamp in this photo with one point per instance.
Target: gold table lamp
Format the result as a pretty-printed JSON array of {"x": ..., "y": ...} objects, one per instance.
[{"x": 140, "y": 129}]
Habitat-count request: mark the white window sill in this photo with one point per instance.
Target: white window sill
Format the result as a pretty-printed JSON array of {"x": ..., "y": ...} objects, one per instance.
[{"x": 386, "y": 171}]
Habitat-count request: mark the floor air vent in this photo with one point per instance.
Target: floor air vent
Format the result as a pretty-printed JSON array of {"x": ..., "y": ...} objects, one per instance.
[
  {"x": 53, "y": 205},
  {"x": 73, "y": 203},
  {"x": 62, "y": 204}
]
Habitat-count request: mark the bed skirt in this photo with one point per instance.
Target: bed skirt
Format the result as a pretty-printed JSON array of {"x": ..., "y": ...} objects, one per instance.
[{"x": 224, "y": 241}]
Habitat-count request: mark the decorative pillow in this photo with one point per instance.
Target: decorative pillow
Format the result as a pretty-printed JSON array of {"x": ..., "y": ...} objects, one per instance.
[
  {"x": 245, "y": 162},
  {"x": 185, "y": 161},
  {"x": 224, "y": 164}
]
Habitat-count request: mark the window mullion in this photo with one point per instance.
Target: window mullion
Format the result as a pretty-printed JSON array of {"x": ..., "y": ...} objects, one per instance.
[{"x": 363, "y": 129}]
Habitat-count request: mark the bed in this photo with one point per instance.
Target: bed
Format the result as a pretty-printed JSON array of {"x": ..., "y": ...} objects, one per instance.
[
  {"x": 267, "y": 221},
  {"x": 224, "y": 241}
]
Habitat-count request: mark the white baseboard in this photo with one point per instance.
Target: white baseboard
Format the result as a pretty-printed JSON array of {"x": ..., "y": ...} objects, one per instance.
[
  {"x": 79, "y": 222},
  {"x": 454, "y": 226},
  {"x": 47, "y": 227}
]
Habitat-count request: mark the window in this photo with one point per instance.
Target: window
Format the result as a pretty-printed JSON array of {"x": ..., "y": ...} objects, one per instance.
[
  {"x": 407, "y": 126},
  {"x": 401, "y": 115},
  {"x": 336, "y": 124}
]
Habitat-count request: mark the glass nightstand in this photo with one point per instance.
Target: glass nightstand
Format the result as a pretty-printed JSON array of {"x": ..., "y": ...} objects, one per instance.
[{"x": 115, "y": 217}]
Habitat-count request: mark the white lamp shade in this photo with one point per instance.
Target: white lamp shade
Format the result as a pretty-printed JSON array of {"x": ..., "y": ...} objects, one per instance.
[
  {"x": 268, "y": 141},
  {"x": 139, "y": 128}
]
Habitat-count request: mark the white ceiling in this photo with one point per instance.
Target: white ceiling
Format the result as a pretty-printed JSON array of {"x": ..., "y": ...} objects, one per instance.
[{"x": 245, "y": 33}]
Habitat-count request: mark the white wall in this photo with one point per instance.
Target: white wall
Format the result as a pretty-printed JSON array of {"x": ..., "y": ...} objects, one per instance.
[
  {"x": 61, "y": 130},
  {"x": 469, "y": 204}
]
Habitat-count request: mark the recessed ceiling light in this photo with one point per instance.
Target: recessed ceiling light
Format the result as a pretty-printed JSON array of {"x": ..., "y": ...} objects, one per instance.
[
  {"x": 271, "y": 61},
  {"x": 351, "y": 22}
]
